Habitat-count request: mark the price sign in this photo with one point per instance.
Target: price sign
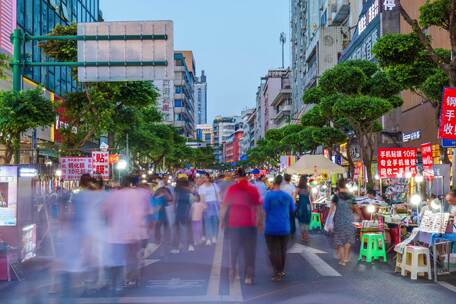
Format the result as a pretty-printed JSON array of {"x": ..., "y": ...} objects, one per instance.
[
  {"x": 447, "y": 129},
  {"x": 395, "y": 162},
  {"x": 73, "y": 167},
  {"x": 100, "y": 164},
  {"x": 426, "y": 155}
]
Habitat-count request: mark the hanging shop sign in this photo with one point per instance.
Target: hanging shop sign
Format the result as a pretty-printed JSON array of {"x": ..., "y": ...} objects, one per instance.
[
  {"x": 447, "y": 129},
  {"x": 428, "y": 163},
  {"x": 410, "y": 136},
  {"x": 100, "y": 164},
  {"x": 73, "y": 167},
  {"x": 396, "y": 162}
]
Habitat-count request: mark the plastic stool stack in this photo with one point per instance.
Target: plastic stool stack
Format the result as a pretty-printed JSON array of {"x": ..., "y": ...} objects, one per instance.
[
  {"x": 315, "y": 221},
  {"x": 417, "y": 261},
  {"x": 372, "y": 247}
]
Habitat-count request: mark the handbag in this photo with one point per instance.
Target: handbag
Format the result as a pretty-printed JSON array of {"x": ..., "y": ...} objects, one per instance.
[{"x": 329, "y": 224}]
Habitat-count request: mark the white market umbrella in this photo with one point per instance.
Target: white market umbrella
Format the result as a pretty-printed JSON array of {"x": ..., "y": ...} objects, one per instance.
[{"x": 315, "y": 165}]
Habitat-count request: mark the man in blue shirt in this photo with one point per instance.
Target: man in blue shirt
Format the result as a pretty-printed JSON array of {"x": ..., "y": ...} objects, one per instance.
[{"x": 278, "y": 205}]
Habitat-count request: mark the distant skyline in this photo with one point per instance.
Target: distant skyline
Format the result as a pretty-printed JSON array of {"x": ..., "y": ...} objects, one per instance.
[{"x": 235, "y": 41}]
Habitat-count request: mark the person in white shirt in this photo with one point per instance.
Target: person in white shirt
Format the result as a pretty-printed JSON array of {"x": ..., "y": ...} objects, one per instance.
[{"x": 210, "y": 195}]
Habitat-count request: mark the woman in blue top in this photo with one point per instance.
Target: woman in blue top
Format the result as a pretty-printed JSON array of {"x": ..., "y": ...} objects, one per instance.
[{"x": 278, "y": 205}]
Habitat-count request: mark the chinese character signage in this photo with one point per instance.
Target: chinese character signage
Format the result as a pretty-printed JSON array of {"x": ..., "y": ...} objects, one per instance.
[
  {"x": 395, "y": 162},
  {"x": 100, "y": 164},
  {"x": 7, "y": 24},
  {"x": 447, "y": 128},
  {"x": 426, "y": 155},
  {"x": 73, "y": 167}
]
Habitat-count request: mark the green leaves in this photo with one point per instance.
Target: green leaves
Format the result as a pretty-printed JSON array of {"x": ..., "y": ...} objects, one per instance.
[
  {"x": 19, "y": 112},
  {"x": 4, "y": 65},
  {"x": 397, "y": 49},
  {"x": 343, "y": 78},
  {"x": 435, "y": 13},
  {"x": 61, "y": 50}
]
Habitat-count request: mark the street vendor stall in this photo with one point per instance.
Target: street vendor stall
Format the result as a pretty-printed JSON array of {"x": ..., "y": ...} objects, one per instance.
[{"x": 315, "y": 165}]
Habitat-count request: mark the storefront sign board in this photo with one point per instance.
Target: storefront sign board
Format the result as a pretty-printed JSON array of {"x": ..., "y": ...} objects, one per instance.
[{"x": 395, "y": 162}]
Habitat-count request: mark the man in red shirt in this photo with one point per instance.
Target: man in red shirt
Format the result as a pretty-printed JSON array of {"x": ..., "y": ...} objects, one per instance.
[{"x": 241, "y": 212}]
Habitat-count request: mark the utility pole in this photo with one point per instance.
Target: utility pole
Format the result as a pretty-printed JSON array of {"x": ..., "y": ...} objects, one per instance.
[{"x": 283, "y": 40}]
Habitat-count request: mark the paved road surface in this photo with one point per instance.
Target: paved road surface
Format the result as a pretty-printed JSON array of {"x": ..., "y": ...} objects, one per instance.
[{"x": 313, "y": 276}]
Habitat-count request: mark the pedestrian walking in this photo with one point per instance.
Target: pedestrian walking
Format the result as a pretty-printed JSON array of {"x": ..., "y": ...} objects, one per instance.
[
  {"x": 126, "y": 212},
  {"x": 344, "y": 232},
  {"x": 261, "y": 186},
  {"x": 182, "y": 195},
  {"x": 304, "y": 207},
  {"x": 210, "y": 195},
  {"x": 161, "y": 199},
  {"x": 289, "y": 188},
  {"x": 198, "y": 207},
  {"x": 278, "y": 205},
  {"x": 241, "y": 209}
]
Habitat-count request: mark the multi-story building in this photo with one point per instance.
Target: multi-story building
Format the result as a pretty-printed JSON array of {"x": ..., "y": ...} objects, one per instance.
[
  {"x": 259, "y": 117},
  {"x": 184, "y": 105},
  {"x": 271, "y": 85},
  {"x": 205, "y": 133},
  {"x": 201, "y": 99},
  {"x": 248, "y": 130},
  {"x": 282, "y": 104},
  {"x": 223, "y": 127},
  {"x": 317, "y": 39},
  {"x": 39, "y": 17},
  {"x": 232, "y": 147}
]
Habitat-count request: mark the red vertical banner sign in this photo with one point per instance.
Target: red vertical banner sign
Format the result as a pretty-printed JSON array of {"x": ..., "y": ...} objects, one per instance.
[
  {"x": 447, "y": 129},
  {"x": 428, "y": 162},
  {"x": 100, "y": 164},
  {"x": 395, "y": 162}
]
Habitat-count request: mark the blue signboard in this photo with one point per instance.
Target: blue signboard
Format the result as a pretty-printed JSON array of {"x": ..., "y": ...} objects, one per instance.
[{"x": 448, "y": 143}]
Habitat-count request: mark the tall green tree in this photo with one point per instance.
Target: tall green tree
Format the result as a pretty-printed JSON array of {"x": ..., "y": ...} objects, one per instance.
[
  {"x": 351, "y": 98},
  {"x": 19, "y": 112},
  {"x": 412, "y": 61}
]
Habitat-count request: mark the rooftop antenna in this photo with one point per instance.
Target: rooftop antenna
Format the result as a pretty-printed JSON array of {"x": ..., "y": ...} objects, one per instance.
[{"x": 283, "y": 39}]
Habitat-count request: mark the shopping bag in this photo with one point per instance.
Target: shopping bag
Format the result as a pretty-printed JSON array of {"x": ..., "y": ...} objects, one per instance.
[{"x": 329, "y": 224}]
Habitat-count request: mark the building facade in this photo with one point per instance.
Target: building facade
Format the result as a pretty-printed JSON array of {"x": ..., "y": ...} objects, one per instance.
[
  {"x": 318, "y": 31},
  {"x": 271, "y": 85},
  {"x": 201, "y": 99},
  {"x": 232, "y": 147},
  {"x": 224, "y": 127},
  {"x": 184, "y": 105},
  {"x": 248, "y": 130},
  {"x": 282, "y": 103},
  {"x": 205, "y": 133}
]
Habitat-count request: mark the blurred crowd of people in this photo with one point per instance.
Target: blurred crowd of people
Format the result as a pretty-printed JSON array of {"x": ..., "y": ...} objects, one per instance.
[{"x": 104, "y": 236}]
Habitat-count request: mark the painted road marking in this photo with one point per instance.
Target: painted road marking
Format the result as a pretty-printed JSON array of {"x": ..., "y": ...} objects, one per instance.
[
  {"x": 171, "y": 299},
  {"x": 447, "y": 286},
  {"x": 213, "y": 287},
  {"x": 311, "y": 255},
  {"x": 175, "y": 283}
]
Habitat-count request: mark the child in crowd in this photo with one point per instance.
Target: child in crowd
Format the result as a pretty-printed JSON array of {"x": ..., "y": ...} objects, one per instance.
[{"x": 198, "y": 208}]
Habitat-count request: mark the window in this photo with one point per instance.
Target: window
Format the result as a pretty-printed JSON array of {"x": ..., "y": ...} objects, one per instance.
[{"x": 178, "y": 103}]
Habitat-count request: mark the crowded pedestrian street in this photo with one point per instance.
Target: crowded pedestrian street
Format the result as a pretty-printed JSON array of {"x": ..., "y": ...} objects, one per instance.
[{"x": 208, "y": 151}]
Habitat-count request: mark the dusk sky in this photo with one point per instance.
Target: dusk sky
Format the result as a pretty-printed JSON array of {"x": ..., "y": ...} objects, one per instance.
[{"x": 234, "y": 41}]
